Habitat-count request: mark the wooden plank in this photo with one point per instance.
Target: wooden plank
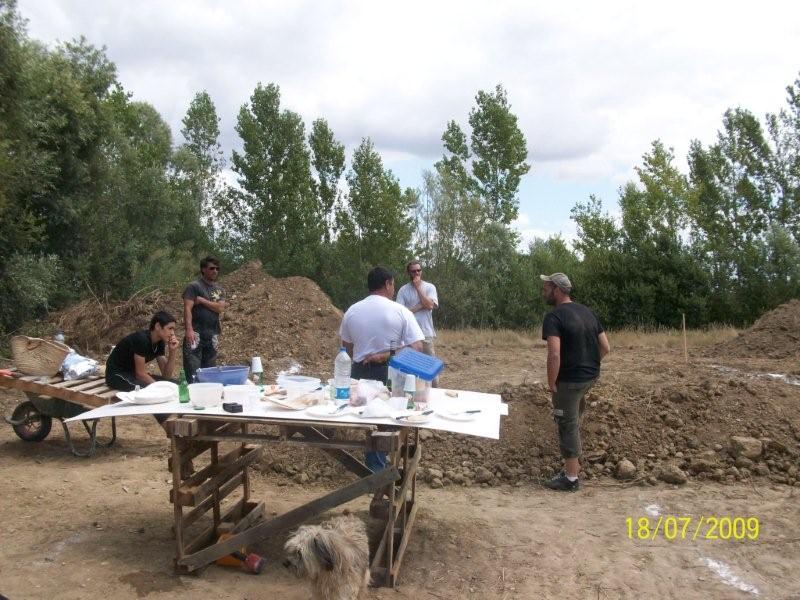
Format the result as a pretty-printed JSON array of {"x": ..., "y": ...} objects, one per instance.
[
  {"x": 97, "y": 387},
  {"x": 218, "y": 475},
  {"x": 398, "y": 559},
  {"x": 410, "y": 471},
  {"x": 181, "y": 426},
  {"x": 241, "y": 515},
  {"x": 226, "y": 470},
  {"x": 203, "y": 507},
  {"x": 265, "y": 438},
  {"x": 200, "y": 476},
  {"x": 49, "y": 390},
  {"x": 291, "y": 518},
  {"x": 252, "y": 512},
  {"x": 190, "y": 451},
  {"x": 383, "y": 441},
  {"x": 79, "y": 384},
  {"x": 350, "y": 462}
]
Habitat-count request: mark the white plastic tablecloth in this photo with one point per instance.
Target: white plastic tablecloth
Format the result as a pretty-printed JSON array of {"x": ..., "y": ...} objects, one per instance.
[{"x": 486, "y": 423}]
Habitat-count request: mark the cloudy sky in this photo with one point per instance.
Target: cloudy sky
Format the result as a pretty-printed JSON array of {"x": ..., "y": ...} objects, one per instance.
[{"x": 592, "y": 83}]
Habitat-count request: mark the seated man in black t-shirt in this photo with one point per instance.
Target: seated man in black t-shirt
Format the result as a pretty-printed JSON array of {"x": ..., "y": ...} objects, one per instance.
[{"x": 126, "y": 366}]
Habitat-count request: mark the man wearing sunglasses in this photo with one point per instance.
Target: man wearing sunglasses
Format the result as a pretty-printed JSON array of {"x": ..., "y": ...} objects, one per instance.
[
  {"x": 420, "y": 298},
  {"x": 203, "y": 303}
]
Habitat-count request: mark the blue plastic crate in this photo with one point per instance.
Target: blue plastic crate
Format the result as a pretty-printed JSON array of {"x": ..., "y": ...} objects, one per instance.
[{"x": 416, "y": 363}]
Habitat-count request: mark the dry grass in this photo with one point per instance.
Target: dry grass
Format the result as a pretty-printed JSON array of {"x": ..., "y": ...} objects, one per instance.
[
  {"x": 481, "y": 338},
  {"x": 671, "y": 338},
  {"x": 662, "y": 338}
]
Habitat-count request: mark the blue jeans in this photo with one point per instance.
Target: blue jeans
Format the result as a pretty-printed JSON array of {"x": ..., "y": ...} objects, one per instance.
[{"x": 375, "y": 460}]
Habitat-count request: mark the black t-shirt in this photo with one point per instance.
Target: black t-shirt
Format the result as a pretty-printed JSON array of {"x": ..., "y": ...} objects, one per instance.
[
  {"x": 121, "y": 358},
  {"x": 204, "y": 320},
  {"x": 578, "y": 328}
]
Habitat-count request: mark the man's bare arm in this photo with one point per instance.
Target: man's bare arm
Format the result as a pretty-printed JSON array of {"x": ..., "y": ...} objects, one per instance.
[
  {"x": 605, "y": 347},
  {"x": 187, "y": 320},
  {"x": 553, "y": 361},
  {"x": 140, "y": 369},
  {"x": 426, "y": 302},
  {"x": 218, "y": 307}
]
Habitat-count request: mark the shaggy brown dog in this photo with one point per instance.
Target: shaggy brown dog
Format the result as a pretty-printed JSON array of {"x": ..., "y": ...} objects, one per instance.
[{"x": 334, "y": 556}]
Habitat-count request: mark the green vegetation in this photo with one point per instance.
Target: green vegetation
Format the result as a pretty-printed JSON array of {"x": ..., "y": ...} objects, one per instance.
[{"x": 96, "y": 198}]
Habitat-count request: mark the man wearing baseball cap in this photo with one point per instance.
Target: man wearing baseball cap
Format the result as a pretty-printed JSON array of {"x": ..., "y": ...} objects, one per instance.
[{"x": 576, "y": 343}]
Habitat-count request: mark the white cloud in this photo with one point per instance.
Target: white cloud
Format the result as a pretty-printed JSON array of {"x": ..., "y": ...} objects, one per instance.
[
  {"x": 593, "y": 84},
  {"x": 529, "y": 230}
]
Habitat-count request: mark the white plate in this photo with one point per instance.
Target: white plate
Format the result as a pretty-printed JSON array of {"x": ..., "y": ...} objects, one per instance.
[
  {"x": 133, "y": 398},
  {"x": 457, "y": 415},
  {"x": 328, "y": 410},
  {"x": 412, "y": 417}
]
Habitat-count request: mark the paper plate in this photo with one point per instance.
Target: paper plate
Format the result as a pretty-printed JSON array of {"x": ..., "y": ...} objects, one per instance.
[
  {"x": 411, "y": 417},
  {"x": 135, "y": 398},
  {"x": 283, "y": 403},
  {"x": 457, "y": 415},
  {"x": 328, "y": 410}
]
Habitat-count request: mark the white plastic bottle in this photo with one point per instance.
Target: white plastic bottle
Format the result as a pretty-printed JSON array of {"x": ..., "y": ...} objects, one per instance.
[{"x": 341, "y": 375}]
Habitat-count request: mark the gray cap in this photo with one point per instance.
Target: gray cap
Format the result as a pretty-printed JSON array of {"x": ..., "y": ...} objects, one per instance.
[{"x": 559, "y": 280}]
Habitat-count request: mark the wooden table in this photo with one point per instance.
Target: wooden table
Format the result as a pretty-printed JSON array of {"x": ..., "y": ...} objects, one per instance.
[{"x": 199, "y": 493}]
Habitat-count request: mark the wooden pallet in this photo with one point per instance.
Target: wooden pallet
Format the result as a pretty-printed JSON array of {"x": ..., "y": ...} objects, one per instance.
[
  {"x": 196, "y": 495},
  {"x": 90, "y": 393}
]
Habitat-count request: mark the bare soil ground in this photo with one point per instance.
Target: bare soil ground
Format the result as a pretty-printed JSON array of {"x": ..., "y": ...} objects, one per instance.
[{"x": 76, "y": 528}]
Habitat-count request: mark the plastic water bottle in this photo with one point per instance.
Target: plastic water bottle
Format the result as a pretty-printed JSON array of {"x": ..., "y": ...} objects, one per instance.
[
  {"x": 183, "y": 387},
  {"x": 341, "y": 375},
  {"x": 410, "y": 389}
]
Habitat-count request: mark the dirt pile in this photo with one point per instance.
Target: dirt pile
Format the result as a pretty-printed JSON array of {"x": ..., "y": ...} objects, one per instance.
[
  {"x": 775, "y": 335},
  {"x": 681, "y": 430},
  {"x": 281, "y": 320}
]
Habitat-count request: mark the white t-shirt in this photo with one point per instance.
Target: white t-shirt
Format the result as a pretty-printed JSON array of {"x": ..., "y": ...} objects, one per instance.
[
  {"x": 372, "y": 324},
  {"x": 408, "y": 297}
]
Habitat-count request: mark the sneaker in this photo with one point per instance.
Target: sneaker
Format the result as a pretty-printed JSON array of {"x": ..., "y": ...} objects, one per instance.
[{"x": 562, "y": 484}]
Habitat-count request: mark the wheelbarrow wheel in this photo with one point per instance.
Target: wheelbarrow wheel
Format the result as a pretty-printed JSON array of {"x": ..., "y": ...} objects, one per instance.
[{"x": 31, "y": 425}]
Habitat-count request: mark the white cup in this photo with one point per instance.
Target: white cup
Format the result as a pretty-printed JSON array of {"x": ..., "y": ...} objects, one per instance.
[
  {"x": 255, "y": 365},
  {"x": 398, "y": 402}
]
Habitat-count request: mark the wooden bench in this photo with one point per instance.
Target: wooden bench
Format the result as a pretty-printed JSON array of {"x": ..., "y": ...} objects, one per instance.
[{"x": 52, "y": 397}]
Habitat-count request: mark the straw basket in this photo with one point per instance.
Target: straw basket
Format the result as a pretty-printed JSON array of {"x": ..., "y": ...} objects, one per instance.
[{"x": 35, "y": 356}]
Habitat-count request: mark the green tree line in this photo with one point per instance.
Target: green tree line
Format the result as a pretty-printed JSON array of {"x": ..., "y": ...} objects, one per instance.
[{"x": 97, "y": 198}]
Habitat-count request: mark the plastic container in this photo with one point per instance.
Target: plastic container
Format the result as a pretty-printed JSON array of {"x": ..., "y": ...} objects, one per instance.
[
  {"x": 422, "y": 393},
  {"x": 398, "y": 380},
  {"x": 297, "y": 385},
  {"x": 246, "y": 395},
  {"x": 421, "y": 365},
  {"x": 205, "y": 395},
  {"x": 230, "y": 375},
  {"x": 341, "y": 375}
]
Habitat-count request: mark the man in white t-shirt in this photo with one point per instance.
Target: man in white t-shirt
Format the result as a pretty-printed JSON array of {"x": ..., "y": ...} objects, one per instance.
[
  {"x": 376, "y": 325},
  {"x": 421, "y": 298},
  {"x": 371, "y": 329}
]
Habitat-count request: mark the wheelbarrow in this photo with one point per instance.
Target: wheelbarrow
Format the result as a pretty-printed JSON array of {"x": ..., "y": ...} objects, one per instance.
[{"x": 53, "y": 398}]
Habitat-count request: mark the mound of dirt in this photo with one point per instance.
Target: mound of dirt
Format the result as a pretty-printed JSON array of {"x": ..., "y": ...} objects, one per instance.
[
  {"x": 679, "y": 431},
  {"x": 282, "y": 320},
  {"x": 775, "y": 335}
]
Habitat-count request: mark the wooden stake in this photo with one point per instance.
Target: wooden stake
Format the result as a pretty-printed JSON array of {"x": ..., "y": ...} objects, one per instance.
[{"x": 685, "y": 347}]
